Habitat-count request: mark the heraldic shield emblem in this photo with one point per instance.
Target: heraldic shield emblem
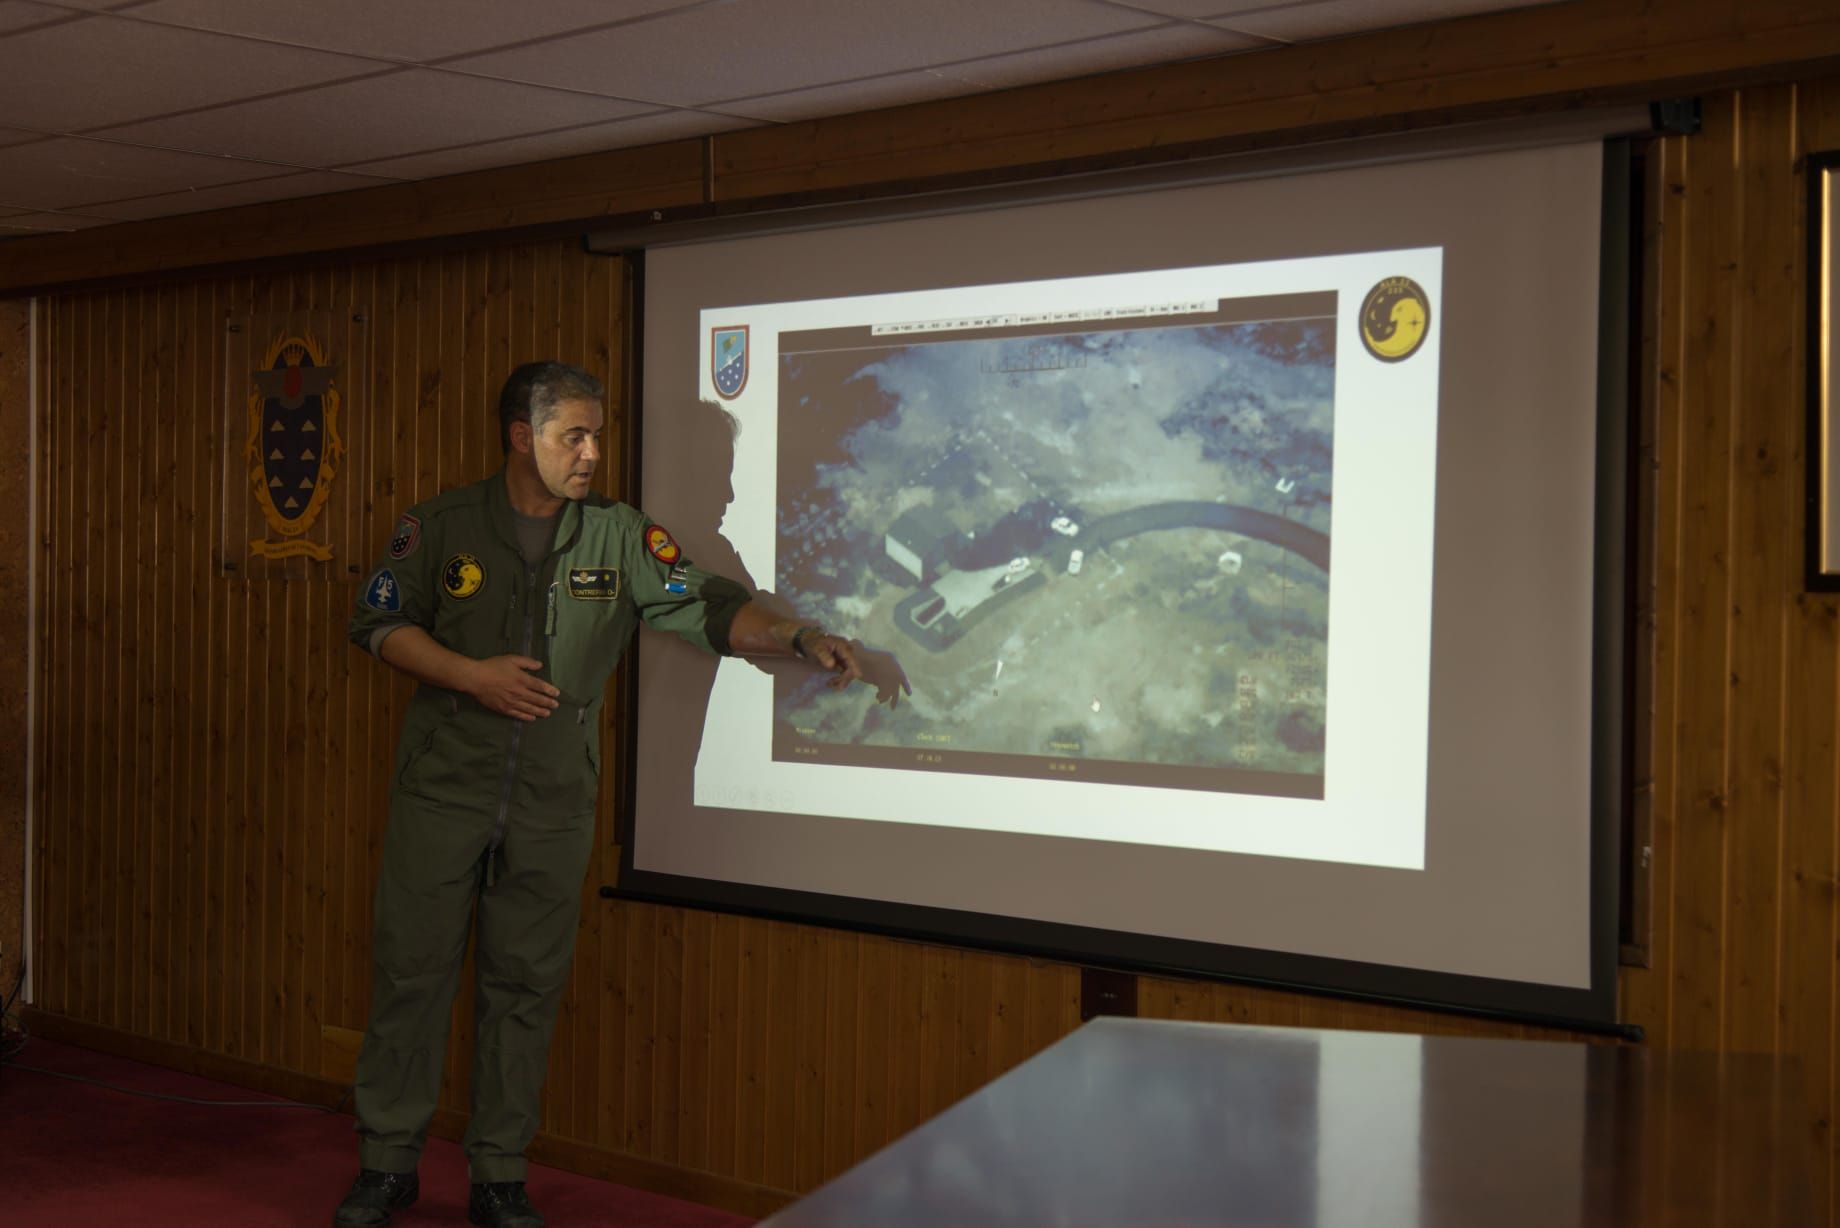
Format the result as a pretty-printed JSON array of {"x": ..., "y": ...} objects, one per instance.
[
  {"x": 728, "y": 360},
  {"x": 294, "y": 446}
]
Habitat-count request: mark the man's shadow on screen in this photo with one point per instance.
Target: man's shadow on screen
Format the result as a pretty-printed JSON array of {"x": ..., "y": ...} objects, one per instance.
[{"x": 704, "y": 442}]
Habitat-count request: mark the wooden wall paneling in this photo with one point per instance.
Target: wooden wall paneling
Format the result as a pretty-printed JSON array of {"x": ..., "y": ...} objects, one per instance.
[
  {"x": 1765, "y": 559},
  {"x": 904, "y": 1006},
  {"x": 1009, "y": 1014},
  {"x": 50, "y": 877},
  {"x": 842, "y": 1035},
  {"x": 972, "y": 1025},
  {"x": 1704, "y": 698},
  {"x": 752, "y": 1014},
  {"x": 723, "y": 1116},
  {"x": 71, "y": 682},
  {"x": 1811, "y": 853},
  {"x": 807, "y": 1018},
  {"x": 781, "y": 1053},
  {"x": 869, "y": 1113},
  {"x": 608, "y": 1093},
  {"x": 213, "y": 658},
  {"x": 937, "y": 1067},
  {"x": 639, "y": 1035},
  {"x": 694, "y": 1039},
  {"x": 667, "y": 1028},
  {"x": 154, "y": 645},
  {"x": 105, "y": 362}
]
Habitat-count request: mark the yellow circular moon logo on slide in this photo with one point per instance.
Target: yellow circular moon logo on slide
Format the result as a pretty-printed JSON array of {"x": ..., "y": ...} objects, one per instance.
[
  {"x": 462, "y": 576},
  {"x": 1395, "y": 316}
]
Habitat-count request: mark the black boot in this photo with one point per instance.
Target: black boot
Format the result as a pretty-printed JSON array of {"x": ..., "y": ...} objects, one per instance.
[
  {"x": 501, "y": 1204},
  {"x": 374, "y": 1197}
]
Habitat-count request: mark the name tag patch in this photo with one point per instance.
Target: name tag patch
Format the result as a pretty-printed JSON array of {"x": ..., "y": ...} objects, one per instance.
[{"x": 594, "y": 583}]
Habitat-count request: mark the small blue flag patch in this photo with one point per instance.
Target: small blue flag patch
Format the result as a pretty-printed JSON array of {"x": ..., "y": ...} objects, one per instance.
[{"x": 383, "y": 593}]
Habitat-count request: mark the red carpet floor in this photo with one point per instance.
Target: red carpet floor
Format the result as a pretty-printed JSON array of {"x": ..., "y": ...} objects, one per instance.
[{"x": 72, "y": 1154}]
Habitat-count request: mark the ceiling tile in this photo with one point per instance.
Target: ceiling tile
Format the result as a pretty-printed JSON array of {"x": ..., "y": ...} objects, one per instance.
[
  {"x": 594, "y": 138},
  {"x": 412, "y": 30},
  {"x": 43, "y": 223},
  {"x": 1332, "y": 18},
  {"x": 16, "y": 15},
  {"x": 404, "y": 112},
  {"x": 101, "y": 6},
  {"x": 13, "y": 136},
  {"x": 69, "y": 172},
  {"x": 109, "y": 70},
  {"x": 253, "y": 192},
  {"x": 1162, "y": 45},
  {"x": 749, "y": 48}
]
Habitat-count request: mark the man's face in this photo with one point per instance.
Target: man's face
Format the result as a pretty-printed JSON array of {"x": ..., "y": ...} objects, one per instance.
[{"x": 568, "y": 447}]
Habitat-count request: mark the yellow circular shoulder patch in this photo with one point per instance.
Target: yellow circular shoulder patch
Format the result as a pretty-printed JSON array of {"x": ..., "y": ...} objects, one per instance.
[
  {"x": 462, "y": 576},
  {"x": 1395, "y": 317}
]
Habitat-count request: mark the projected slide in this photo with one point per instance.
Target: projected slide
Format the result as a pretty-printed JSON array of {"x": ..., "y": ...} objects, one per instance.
[
  {"x": 1101, "y": 548},
  {"x": 1152, "y": 549}
]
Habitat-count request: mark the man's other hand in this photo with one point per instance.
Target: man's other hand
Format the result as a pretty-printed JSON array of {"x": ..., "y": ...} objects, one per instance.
[{"x": 508, "y": 687}]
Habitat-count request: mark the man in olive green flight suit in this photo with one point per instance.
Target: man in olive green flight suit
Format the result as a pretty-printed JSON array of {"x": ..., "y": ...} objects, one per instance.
[{"x": 510, "y": 601}]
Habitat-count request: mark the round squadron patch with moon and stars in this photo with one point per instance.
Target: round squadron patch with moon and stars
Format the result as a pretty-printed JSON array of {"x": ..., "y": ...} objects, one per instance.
[
  {"x": 462, "y": 576},
  {"x": 660, "y": 545},
  {"x": 1395, "y": 317}
]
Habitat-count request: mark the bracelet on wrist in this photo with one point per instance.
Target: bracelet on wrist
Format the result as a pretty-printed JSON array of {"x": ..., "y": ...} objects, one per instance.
[{"x": 798, "y": 640}]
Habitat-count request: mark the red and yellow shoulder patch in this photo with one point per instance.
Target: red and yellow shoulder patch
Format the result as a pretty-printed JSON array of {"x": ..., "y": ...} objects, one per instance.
[{"x": 660, "y": 546}]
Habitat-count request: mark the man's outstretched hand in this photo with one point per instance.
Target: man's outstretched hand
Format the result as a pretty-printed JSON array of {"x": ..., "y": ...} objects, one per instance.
[
  {"x": 836, "y": 654},
  {"x": 508, "y": 686}
]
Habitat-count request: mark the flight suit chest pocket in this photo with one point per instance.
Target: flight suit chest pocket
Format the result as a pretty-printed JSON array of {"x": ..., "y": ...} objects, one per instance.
[{"x": 589, "y": 619}]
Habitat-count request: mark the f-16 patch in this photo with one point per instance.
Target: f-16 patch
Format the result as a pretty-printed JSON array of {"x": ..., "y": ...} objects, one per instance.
[
  {"x": 408, "y": 537},
  {"x": 594, "y": 583},
  {"x": 383, "y": 593},
  {"x": 659, "y": 545}
]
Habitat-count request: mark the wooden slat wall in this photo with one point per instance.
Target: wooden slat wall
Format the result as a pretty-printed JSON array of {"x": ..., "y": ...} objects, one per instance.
[
  {"x": 211, "y": 789},
  {"x": 15, "y": 620}
]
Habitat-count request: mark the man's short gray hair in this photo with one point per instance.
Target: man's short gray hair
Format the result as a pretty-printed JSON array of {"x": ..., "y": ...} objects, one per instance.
[{"x": 535, "y": 389}]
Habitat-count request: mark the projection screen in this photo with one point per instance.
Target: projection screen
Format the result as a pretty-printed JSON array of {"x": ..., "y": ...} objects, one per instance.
[{"x": 1237, "y": 541}]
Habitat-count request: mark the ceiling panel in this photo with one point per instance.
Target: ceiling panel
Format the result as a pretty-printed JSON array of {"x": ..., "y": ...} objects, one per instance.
[
  {"x": 405, "y": 112},
  {"x": 12, "y": 136},
  {"x": 412, "y": 30},
  {"x": 22, "y": 14},
  {"x": 749, "y": 48},
  {"x": 70, "y": 172},
  {"x": 1332, "y": 18},
  {"x": 107, "y": 70},
  {"x": 1161, "y": 45},
  {"x": 594, "y": 138},
  {"x": 225, "y": 196}
]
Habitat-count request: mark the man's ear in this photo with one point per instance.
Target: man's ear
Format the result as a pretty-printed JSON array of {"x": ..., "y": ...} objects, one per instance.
[{"x": 523, "y": 439}]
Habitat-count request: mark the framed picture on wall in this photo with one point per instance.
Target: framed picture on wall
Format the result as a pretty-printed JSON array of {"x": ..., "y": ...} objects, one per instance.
[{"x": 1823, "y": 443}]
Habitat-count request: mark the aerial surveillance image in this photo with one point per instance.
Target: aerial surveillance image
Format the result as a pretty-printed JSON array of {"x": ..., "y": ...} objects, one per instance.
[{"x": 1099, "y": 547}]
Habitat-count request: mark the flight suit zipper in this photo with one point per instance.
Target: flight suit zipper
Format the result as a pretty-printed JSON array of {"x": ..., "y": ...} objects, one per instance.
[{"x": 525, "y": 599}]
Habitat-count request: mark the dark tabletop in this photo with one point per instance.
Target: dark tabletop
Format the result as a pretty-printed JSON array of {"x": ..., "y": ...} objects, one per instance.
[{"x": 1186, "y": 1125}]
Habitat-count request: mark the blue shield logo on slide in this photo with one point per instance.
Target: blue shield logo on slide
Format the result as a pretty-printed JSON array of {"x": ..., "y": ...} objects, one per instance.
[{"x": 728, "y": 360}]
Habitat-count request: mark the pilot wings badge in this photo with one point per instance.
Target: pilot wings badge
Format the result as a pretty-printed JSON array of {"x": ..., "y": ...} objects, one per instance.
[
  {"x": 294, "y": 447},
  {"x": 728, "y": 360}
]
